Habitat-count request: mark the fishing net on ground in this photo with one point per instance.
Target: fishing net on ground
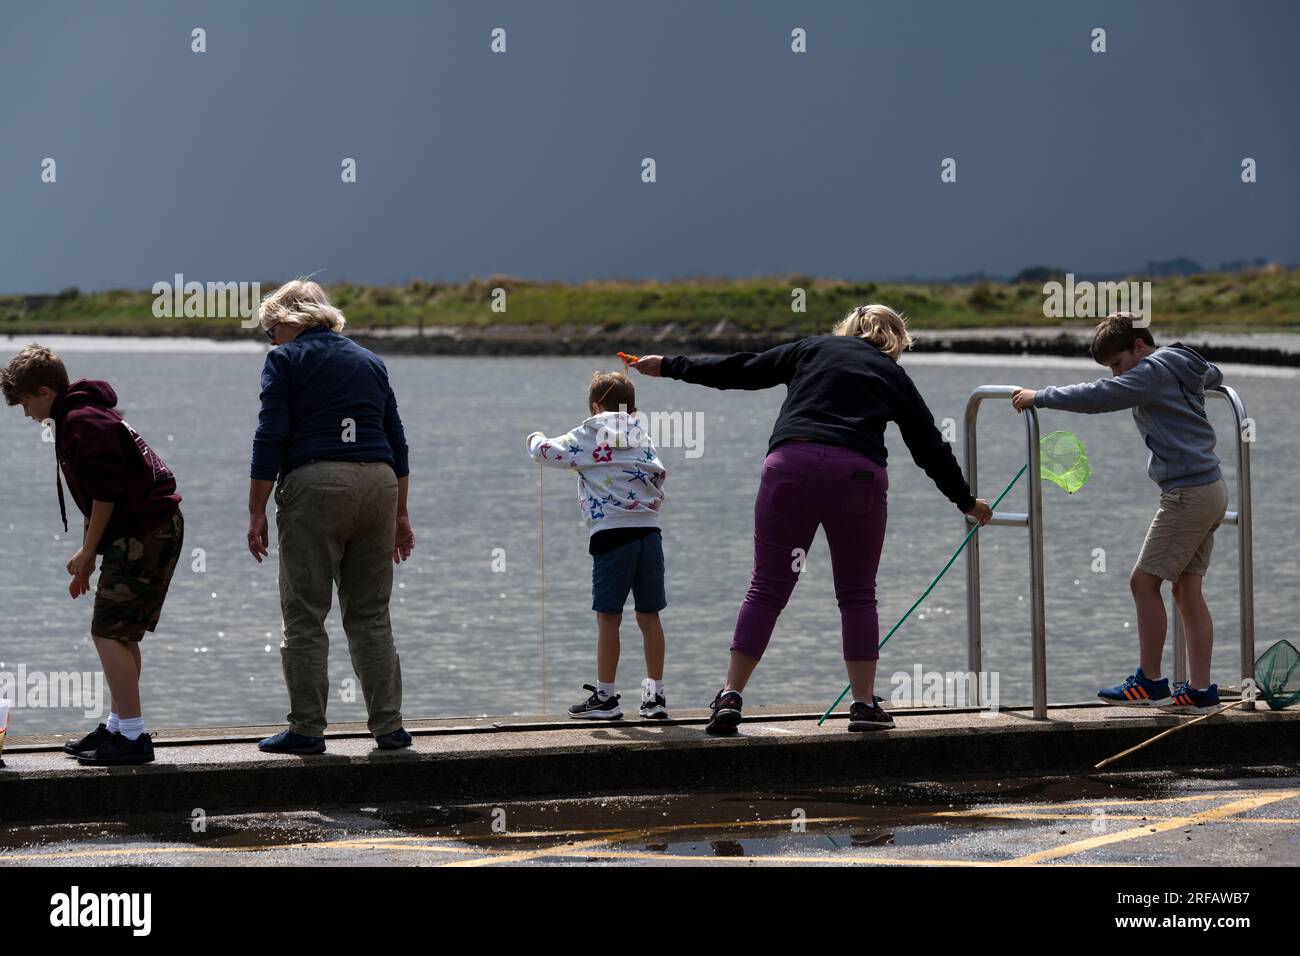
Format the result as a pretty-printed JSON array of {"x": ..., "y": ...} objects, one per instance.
[
  {"x": 1062, "y": 461},
  {"x": 1277, "y": 675}
]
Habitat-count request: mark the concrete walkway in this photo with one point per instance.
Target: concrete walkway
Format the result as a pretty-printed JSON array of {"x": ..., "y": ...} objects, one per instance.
[{"x": 221, "y": 769}]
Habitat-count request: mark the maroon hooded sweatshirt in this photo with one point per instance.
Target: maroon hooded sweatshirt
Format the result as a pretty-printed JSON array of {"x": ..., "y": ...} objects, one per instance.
[{"x": 105, "y": 459}]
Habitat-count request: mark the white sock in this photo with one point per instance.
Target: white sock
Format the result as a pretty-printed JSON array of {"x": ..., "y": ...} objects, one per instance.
[
  {"x": 113, "y": 724},
  {"x": 731, "y": 690},
  {"x": 605, "y": 691},
  {"x": 131, "y": 727},
  {"x": 659, "y": 686}
]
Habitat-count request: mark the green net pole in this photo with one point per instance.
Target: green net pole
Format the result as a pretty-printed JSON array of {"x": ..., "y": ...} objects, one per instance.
[{"x": 926, "y": 592}]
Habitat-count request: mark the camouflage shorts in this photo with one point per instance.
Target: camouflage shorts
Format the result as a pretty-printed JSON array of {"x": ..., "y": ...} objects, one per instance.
[{"x": 133, "y": 580}]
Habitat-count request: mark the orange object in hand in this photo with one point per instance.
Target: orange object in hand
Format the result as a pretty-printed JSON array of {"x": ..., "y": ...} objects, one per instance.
[{"x": 628, "y": 359}]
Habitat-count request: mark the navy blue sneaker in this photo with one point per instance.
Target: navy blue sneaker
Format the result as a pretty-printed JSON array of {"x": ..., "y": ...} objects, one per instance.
[
  {"x": 394, "y": 740},
  {"x": 1188, "y": 700},
  {"x": 1137, "y": 691},
  {"x": 287, "y": 742}
]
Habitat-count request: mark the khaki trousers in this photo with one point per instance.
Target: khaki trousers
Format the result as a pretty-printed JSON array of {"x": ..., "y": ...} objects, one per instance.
[{"x": 335, "y": 523}]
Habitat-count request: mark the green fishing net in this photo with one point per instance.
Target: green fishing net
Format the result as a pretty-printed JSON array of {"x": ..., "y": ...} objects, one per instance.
[
  {"x": 1277, "y": 675},
  {"x": 1061, "y": 460}
]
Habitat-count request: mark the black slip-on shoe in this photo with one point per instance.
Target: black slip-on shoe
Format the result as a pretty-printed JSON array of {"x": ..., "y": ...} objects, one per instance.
[
  {"x": 118, "y": 751},
  {"x": 88, "y": 742}
]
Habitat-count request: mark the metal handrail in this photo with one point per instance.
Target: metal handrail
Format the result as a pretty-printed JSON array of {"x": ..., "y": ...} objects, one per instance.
[
  {"x": 1246, "y": 559},
  {"x": 1033, "y": 520}
]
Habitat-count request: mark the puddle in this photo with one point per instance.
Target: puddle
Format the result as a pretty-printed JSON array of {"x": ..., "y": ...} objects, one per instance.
[{"x": 812, "y": 821}]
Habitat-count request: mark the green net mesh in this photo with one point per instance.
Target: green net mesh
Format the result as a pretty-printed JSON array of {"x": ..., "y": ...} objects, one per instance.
[
  {"x": 1277, "y": 675},
  {"x": 1062, "y": 461}
]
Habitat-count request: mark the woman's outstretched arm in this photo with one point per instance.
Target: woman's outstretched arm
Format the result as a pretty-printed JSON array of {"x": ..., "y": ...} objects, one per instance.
[{"x": 748, "y": 370}]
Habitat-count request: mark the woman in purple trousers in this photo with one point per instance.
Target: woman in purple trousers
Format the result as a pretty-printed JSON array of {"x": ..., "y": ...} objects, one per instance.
[{"x": 825, "y": 467}]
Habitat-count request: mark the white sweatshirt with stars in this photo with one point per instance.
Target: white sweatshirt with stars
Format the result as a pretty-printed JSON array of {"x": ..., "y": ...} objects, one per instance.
[{"x": 620, "y": 476}]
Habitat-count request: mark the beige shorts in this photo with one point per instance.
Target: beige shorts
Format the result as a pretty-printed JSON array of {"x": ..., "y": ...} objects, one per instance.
[{"x": 1181, "y": 535}]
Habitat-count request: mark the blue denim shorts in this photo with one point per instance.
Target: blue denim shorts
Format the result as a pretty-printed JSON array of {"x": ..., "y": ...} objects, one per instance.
[{"x": 637, "y": 566}]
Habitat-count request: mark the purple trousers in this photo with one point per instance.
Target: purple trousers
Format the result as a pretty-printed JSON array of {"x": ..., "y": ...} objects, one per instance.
[{"x": 804, "y": 485}]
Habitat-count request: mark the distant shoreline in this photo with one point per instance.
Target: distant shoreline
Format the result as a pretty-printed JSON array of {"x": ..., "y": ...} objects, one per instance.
[
  {"x": 1278, "y": 349},
  {"x": 504, "y": 315}
]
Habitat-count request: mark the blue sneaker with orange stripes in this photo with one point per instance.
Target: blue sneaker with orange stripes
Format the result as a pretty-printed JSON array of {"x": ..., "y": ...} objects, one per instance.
[
  {"x": 1188, "y": 700},
  {"x": 1138, "y": 691}
]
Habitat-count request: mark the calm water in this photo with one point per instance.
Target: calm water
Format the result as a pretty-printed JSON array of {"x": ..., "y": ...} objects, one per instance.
[{"x": 469, "y": 636}]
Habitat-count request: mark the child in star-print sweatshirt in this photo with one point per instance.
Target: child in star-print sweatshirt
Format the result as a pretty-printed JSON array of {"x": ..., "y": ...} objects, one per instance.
[
  {"x": 620, "y": 476},
  {"x": 620, "y": 494}
]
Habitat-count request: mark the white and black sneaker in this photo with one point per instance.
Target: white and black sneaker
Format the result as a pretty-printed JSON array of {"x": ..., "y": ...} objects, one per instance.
[
  {"x": 863, "y": 718},
  {"x": 653, "y": 706},
  {"x": 596, "y": 707}
]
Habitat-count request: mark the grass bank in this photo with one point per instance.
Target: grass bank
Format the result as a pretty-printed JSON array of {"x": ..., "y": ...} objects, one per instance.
[{"x": 1266, "y": 300}]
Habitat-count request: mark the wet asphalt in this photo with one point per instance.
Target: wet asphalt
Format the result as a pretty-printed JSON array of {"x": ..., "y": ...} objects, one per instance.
[{"x": 1242, "y": 817}]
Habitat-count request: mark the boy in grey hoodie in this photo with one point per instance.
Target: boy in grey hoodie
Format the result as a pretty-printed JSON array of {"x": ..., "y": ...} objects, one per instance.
[{"x": 1165, "y": 387}]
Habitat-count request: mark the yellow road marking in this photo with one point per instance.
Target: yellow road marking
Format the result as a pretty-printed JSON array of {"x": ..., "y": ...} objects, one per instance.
[
  {"x": 525, "y": 855},
  {"x": 1221, "y": 812},
  {"x": 1082, "y": 804},
  {"x": 665, "y": 828},
  {"x": 1030, "y": 815},
  {"x": 629, "y": 836}
]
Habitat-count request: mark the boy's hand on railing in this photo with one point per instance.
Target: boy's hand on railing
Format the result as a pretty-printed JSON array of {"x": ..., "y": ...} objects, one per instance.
[
  {"x": 649, "y": 365},
  {"x": 981, "y": 512},
  {"x": 1023, "y": 398}
]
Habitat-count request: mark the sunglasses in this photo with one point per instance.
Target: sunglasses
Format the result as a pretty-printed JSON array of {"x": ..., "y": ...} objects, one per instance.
[{"x": 270, "y": 333}]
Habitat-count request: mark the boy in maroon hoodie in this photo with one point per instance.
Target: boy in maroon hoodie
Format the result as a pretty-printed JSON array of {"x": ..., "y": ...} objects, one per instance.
[{"x": 132, "y": 518}]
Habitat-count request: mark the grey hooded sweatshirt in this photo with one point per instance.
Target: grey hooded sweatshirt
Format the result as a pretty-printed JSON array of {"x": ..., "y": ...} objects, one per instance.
[{"x": 1166, "y": 391}]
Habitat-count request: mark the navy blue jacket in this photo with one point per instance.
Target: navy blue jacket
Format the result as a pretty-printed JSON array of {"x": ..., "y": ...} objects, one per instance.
[{"x": 310, "y": 388}]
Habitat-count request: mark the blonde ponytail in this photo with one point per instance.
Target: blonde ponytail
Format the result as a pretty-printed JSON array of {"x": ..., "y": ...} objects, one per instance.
[{"x": 878, "y": 324}]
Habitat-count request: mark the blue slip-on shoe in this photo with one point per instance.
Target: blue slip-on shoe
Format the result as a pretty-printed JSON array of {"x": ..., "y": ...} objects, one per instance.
[
  {"x": 1137, "y": 691},
  {"x": 394, "y": 740},
  {"x": 1188, "y": 700},
  {"x": 287, "y": 742}
]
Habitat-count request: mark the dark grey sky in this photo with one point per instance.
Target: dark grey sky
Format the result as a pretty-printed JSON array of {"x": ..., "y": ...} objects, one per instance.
[{"x": 225, "y": 165}]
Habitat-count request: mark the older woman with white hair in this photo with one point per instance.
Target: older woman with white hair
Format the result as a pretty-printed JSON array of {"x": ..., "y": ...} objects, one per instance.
[
  {"x": 330, "y": 435},
  {"x": 825, "y": 467}
]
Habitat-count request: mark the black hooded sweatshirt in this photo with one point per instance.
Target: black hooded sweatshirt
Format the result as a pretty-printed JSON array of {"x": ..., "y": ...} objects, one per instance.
[
  {"x": 841, "y": 390},
  {"x": 104, "y": 459}
]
